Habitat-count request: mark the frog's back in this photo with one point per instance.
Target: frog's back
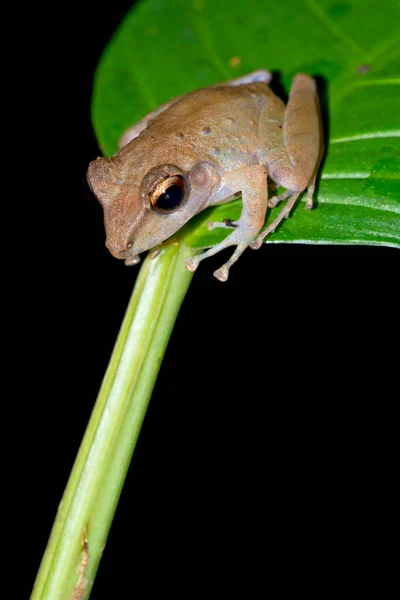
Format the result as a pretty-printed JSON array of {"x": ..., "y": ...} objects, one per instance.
[
  {"x": 219, "y": 124},
  {"x": 228, "y": 107}
]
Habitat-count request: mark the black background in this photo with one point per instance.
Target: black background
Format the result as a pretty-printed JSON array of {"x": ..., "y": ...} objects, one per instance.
[{"x": 273, "y": 404}]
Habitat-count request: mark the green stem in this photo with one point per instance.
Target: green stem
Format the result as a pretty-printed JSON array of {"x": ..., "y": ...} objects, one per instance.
[{"x": 85, "y": 514}]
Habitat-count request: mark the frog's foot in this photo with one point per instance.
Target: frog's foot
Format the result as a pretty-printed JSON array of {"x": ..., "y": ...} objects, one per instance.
[
  {"x": 225, "y": 224},
  {"x": 282, "y": 215},
  {"x": 241, "y": 238},
  {"x": 310, "y": 193},
  {"x": 223, "y": 272},
  {"x": 272, "y": 202}
]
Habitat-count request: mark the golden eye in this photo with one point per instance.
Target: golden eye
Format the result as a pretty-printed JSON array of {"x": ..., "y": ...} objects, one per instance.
[{"x": 169, "y": 194}]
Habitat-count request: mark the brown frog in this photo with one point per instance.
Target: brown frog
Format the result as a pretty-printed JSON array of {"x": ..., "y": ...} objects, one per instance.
[{"x": 204, "y": 149}]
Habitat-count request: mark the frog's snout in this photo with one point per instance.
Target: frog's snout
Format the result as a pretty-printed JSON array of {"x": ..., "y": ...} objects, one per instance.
[
  {"x": 129, "y": 258},
  {"x": 118, "y": 248},
  {"x": 120, "y": 204},
  {"x": 121, "y": 245}
]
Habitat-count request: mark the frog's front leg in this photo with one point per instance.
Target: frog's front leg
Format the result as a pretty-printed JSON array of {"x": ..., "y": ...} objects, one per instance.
[
  {"x": 252, "y": 182},
  {"x": 292, "y": 143}
]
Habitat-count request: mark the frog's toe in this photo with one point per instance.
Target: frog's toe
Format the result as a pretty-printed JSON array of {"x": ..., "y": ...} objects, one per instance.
[
  {"x": 192, "y": 263},
  {"x": 222, "y": 273},
  {"x": 256, "y": 244},
  {"x": 225, "y": 224}
]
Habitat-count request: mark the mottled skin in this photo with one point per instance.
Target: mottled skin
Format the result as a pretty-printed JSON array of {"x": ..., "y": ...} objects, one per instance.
[{"x": 219, "y": 141}]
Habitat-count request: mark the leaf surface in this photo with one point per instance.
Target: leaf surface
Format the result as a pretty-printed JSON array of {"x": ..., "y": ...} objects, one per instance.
[{"x": 165, "y": 48}]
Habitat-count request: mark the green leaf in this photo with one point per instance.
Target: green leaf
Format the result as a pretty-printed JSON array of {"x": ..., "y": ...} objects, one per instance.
[{"x": 167, "y": 48}]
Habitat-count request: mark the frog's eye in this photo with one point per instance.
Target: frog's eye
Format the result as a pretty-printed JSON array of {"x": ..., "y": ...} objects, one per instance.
[{"x": 169, "y": 194}]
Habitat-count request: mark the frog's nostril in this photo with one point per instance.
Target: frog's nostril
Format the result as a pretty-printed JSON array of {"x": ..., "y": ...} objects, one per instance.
[
  {"x": 121, "y": 252},
  {"x": 116, "y": 250}
]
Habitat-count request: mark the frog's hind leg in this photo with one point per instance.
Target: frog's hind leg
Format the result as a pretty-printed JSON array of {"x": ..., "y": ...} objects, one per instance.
[
  {"x": 282, "y": 215},
  {"x": 292, "y": 142}
]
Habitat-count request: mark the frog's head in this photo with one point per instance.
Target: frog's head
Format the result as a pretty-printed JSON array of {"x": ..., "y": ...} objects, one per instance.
[{"x": 142, "y": 212}]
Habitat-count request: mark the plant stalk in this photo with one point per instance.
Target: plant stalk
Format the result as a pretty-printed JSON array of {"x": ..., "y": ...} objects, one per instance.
[{"x": 87, "y": 508}]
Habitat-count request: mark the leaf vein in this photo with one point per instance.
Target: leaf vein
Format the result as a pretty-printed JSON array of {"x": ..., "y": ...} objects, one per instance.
[
  {"x": 366, "y": 136},
  {"x": 317, "y": 12},
  {"x": 206, "y": 41}
]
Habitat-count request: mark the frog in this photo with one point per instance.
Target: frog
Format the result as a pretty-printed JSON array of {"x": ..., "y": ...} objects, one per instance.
[{"x": 205, "y": 148}]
